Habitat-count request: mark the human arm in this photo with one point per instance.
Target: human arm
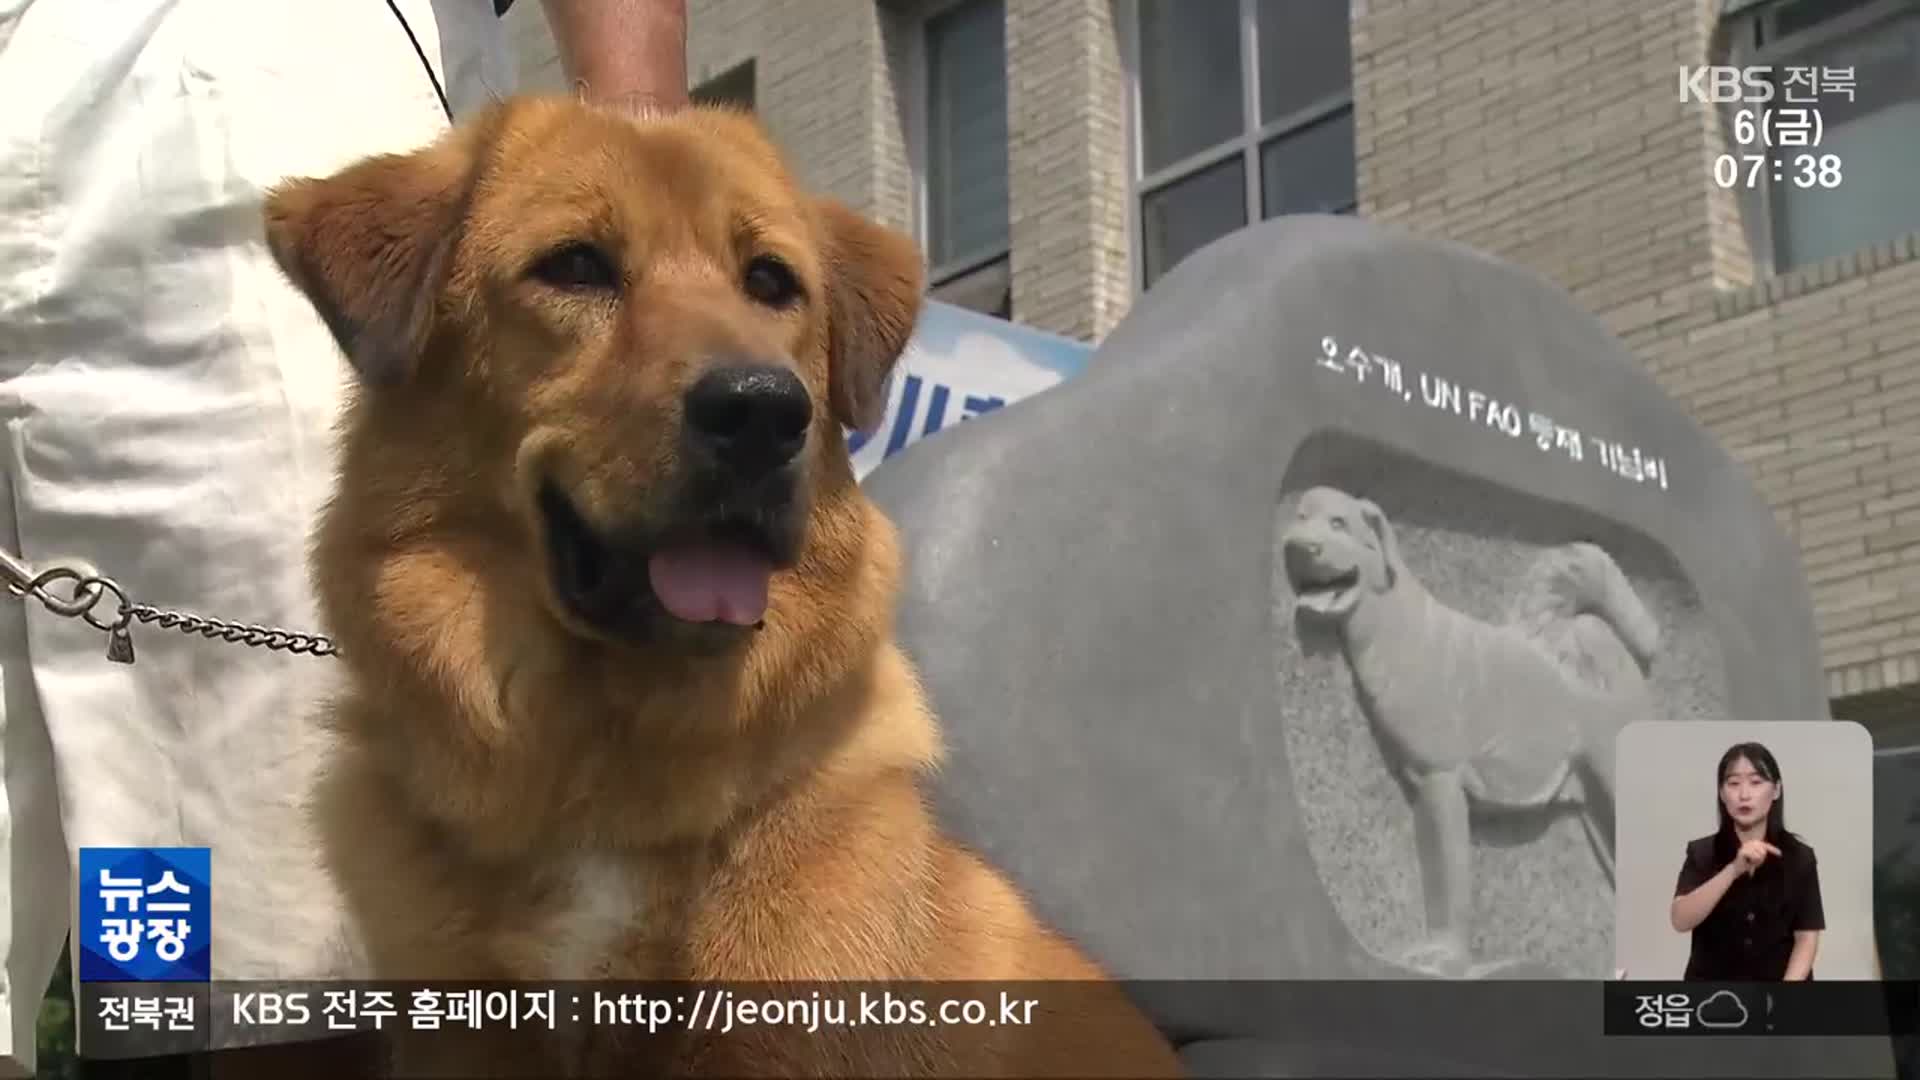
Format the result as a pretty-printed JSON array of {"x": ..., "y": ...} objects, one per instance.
[
  {"x": 1809, "y": 919},
  {"x": 631, "y": 52},
  {"x": 1700, "y": 889},
  {"x": 1692, "y": 905},
  {"x": 1806, "y": 944}
]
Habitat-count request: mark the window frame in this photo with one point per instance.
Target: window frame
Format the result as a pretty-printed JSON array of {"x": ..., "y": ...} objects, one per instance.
[
  {"x": 1253, "y": 135},
  {"x": 955, "y": 274},
  {"x": 1760, "y": 203}
]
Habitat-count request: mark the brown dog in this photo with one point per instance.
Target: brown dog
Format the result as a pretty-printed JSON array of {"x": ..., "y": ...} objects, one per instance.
[{"x": 617, "y": 616}]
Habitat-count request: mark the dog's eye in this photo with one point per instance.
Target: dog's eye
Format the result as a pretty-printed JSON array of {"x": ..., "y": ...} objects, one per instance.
[
  {"x": 576, "y": 266},
  {"x": 1340, "y": 523},
  {"x": 771, "y": 282}
]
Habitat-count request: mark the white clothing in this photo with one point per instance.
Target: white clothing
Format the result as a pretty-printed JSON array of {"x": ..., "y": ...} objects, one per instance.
[{"x": 167, "y": 402}]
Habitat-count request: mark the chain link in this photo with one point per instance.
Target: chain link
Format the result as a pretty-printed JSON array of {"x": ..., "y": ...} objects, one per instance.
[
  {"x": 90, "y": 593},
  {"x": 259, "y": 637}
]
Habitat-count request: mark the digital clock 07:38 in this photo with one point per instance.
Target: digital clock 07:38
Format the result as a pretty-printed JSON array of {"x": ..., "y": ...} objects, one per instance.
[{"x": 1800, "y": 170}]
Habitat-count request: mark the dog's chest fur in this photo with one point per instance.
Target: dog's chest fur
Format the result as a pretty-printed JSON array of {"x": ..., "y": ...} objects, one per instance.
[
  {"x": 599, "y": 906},
  {"x": 603, "y": 916}
]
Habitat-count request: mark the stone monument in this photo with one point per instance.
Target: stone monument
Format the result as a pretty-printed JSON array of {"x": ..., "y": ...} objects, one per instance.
[{"x": 1289, "y": 640}]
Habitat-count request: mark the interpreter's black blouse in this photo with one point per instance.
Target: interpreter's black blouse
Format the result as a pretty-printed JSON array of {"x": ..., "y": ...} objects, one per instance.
[{"x": 1749, "y": 935}]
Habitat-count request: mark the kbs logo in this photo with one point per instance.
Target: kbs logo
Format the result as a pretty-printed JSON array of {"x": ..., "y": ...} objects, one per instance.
[
  {"x": 1719, "y": 85},
  {"x": 269, "y": 1008}
]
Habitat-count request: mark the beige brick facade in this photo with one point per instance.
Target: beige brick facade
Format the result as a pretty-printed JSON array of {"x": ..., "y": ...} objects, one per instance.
[
  {"x": 1560, "y": 142},
  {"x": 1068, "y": 166},
  {"x": 1547, "y": 132}
]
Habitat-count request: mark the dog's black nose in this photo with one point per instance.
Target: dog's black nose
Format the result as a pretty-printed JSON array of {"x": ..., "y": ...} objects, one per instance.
[{"x": 752, "y": 420}]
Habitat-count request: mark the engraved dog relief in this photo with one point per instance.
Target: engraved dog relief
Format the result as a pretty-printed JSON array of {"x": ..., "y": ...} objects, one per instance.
[{"x": 1519, "y": 715}]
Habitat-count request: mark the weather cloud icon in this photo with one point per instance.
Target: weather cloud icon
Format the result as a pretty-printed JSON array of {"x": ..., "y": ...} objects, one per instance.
[{"x": 1722, "y": 1009}]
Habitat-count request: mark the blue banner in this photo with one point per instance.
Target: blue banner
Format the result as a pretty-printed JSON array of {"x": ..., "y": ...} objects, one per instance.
[{"x": 960, "y": 365}]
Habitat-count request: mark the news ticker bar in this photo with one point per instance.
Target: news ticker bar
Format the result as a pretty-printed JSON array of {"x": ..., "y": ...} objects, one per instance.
[{"x": 143, "y": 1019}]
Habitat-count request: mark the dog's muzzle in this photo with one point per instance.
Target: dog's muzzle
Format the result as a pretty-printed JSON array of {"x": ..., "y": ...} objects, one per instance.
[
  {"x": 1320, "y": 586},
  {"x": 736, "y": 516},
  {"x": 711, "y": 564}
]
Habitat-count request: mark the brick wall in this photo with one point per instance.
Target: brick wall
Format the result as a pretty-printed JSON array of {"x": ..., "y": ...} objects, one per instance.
[
  {"x": 1546, "y": 131},
  {"x": 1814, "y": 379},
  {"x": 1550, "y": 132},
  {"x": 1067, "y": 166}
]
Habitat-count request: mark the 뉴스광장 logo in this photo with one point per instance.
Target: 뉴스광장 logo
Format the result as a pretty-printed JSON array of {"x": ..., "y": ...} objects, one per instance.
[{"x": 145, "y": 914}]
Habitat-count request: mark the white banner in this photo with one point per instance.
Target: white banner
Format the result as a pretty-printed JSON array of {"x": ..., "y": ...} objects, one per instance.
[{"x": 959, "y": 365}]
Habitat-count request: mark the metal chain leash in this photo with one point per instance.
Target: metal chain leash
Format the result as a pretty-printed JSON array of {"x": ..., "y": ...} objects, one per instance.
[{"x": 88, "y": 592}]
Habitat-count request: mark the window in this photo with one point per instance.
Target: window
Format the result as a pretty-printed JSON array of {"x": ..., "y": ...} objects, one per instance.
[
  {"x": 1850, "y": 69},
  {"x": 1243, "y": 109},
  {"x": 734, "y": 86},
  {"x": 962, "y": 154},
  {"x": 1892, "y": 715}
]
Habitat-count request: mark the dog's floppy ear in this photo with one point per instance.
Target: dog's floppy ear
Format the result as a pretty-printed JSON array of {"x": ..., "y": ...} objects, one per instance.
[
  {"x": 370, "y": 246},
  {"x": 1389, "y": 551},
  {"x": 874, "y": 284}
]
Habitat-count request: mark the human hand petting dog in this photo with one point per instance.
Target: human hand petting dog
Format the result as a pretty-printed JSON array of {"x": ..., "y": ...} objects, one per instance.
[{"x": 628, "y": 54}]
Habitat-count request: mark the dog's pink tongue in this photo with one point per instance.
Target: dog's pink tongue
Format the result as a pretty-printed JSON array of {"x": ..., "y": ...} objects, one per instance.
[{"x": 718, "y": 583}]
